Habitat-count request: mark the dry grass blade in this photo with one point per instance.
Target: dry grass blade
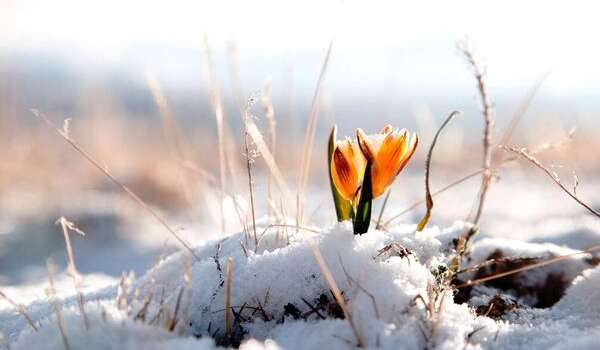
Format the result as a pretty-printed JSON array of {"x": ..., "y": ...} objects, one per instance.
[
  {"x": 51, "y": 293},
  {"x": 336, "y": 292},
  {"x": 309, "y": 137},
  {"x": 65, "y": 135},
  {"x": 526, "y": 155},
  {"x": 497, "y": 157},
  {"x": 169, "y": 127},
  {"x": 67, "y": 226},
  {"x": 527, "y": 267},
  {"x": 263, "y": 149},
  {"x": 270, "y": 116},
  {"x": 174, "y": 138},
  {"x": 215, "y": 101},
  {"x": 428, "y": 197},
  {"x": 20, "y": 310},
  {"x": 228, "y": 309},
  {"x": 249, "y": 160},
  {"x": 379, "y": 225}
]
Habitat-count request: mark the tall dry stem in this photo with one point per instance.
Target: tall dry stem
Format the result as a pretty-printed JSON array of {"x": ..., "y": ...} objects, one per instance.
[
  {"x": 67, "y": 226},
  {"x": 64, "y": 133},
  {"x": 51, "y": 293},
  {"x": 336, "y": 293},
  {"x": 309, "y": 138},
  {"x": 215, "y": 101}
]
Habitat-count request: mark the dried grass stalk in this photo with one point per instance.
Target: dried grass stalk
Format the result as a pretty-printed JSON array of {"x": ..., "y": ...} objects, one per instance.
[
  {"x": 67, "y": 226},
  {"x": 64, "y": 133},
  {"x": 309, "y": 137},
  {"x": 428, "y": 197},
  {"x": 51, "y": 293},
  {"x": 336, "y": 293},
  {"x": 526, "y": 155},
  {"x": 527, "y": 267}
]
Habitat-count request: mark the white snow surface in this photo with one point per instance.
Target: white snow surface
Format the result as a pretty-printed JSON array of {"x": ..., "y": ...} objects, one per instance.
[{"x": 380, "y": 292}]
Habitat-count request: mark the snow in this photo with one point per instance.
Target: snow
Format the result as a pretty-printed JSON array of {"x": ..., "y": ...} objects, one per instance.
[{"x": 380, "y": 291}]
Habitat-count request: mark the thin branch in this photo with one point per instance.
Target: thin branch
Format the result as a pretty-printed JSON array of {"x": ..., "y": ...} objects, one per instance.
[
  {"x": 527, "y": 267},
  {"x": 525, "y": 154},
  {"x": 65, "y": 135},
  {"x": 488, "y": 117}
]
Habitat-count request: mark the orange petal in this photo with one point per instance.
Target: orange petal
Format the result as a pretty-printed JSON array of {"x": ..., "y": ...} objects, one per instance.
[
  {"x": 388, "y": 160},
  {"x": 386, "y": 129},
  {"x": 365, "y": 145},
  {"x": 412, "y": 146}
]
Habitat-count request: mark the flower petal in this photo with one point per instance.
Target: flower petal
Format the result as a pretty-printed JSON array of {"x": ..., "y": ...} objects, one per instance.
[
  {"x": 386, "y": 129},
  {"x": 388, "y": 161},
  {"x": 365, "y": 145},
  {"x": 343, "y": 170}
]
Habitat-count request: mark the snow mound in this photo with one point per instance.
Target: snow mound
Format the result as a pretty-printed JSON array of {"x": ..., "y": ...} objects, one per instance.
[{"x": 280, "y": 299}]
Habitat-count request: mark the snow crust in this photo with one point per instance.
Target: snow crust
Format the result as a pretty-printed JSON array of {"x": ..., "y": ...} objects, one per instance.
[{"x": 383, "y": 293}]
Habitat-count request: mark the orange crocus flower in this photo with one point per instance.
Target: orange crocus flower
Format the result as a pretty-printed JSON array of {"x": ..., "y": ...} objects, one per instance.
[
  {"x": 389, "y": 152},
  {"x": 347, "y": 168}
]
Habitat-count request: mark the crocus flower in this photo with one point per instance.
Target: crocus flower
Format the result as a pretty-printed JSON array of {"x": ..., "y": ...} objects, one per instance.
[
  {"x": 347, "y": 168},
  {"x": 389, "y": 151}
]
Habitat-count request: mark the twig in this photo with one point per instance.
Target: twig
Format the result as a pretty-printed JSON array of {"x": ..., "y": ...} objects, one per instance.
[
  {"x": 428, "y": 197},
  {"x": 527, "y": 267},
  {"x": 336, "y": 292},
  {"x": 66, "y": 226},
  {"x": 312, "y": 308},
  {"x": 488, "y": 117},
  {"x": 65, "y": 135},
  {"x": 523, "y": 153}
]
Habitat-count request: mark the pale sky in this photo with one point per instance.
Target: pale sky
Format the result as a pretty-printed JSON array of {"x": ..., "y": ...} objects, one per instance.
[{"x": 521, "y": 39}]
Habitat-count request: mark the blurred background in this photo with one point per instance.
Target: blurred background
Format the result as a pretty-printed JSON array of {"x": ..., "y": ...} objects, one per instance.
[{"x": 136, "y": 80}]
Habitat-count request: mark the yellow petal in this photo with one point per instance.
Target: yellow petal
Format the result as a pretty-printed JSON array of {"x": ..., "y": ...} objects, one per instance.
[{"x": 343, "y": 170}]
